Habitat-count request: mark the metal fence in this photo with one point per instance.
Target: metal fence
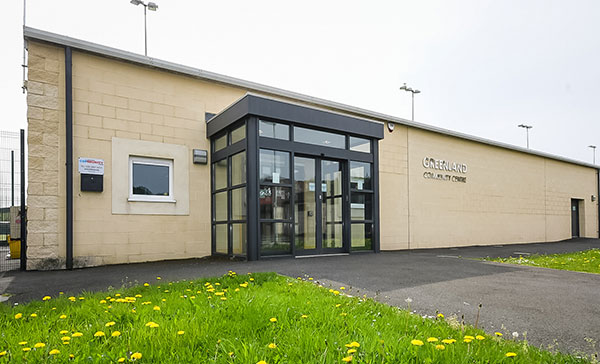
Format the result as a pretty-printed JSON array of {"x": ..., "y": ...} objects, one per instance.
[{"x": 10, "y": 200}]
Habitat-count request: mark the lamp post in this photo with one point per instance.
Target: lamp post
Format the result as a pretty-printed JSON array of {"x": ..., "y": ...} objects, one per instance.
[
  {"x": 594, "y": 153},
  {"x": 152, "y": 7},
  {"x": 413, "y": 92},
  {"x": 527, "y": 127}
]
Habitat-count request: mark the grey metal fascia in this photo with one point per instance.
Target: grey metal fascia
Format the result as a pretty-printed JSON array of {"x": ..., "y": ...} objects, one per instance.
[{"x": 37, "y": 34}]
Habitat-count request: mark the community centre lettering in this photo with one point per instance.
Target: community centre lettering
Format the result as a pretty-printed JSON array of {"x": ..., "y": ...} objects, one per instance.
[{"x": 444, "y": 165}]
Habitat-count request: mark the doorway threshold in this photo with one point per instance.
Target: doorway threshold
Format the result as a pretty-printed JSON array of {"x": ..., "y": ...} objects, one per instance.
[{"x": 320, "y": 255}]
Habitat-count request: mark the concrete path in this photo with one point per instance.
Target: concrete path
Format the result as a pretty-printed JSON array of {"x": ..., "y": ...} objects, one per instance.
[{"x": 553, "y": 307}]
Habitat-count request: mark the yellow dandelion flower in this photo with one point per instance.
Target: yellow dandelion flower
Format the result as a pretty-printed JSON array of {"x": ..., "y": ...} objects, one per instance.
[
  {"x": 440, "y": 347},
  {"x": 136, "y": 356},
  {"x": 336, "y": 292},
  {"x": 116, "y": 334},
  {"x": 46, "y": 298},
  {"x": 158, "y": 278},
  {"x": 34, "y": 315},
  {"x": 469, "y": 337},
  {"x": 272, "y": 346},
  {"x": 23, "y": 343},
  {"x": 121, "y": 360},
  {"x": 351, "y": 351},
  {"x": 510, "y": 354},
  {"x": 440, "y": 315},
  {"x": 304, "y": 316},
  {"x": 18, "y": 316},
  {"x": 26, "y": 349},
  {"x": 353, "y": 344},
  {"x": 39, "y": 345},
  {"x": 273, "y": 319},
  {"x": 310, "y": 278},
  {"x": 72, "y": 299},
  {"x": 479, "y": 337},
  {"x": 65, "y": 338},
  {"x": 71, "y": 356},
  {"x": 2, "y": 353},
  {"x": 102, "y": 301},
  {"x": 156, "y": 308},
  {"x": 180, "y": 332},
  {"x": 77, "y": 334},
  {"x": 109, "y": 324},
  {"x": 99, "y": 334},
  {"x": 449, "y": 341},
  {"x": 416, "y": 342},
  {"x": 223, "y": 298},
  {"x": 164, "y": 300},
  {"x": 146, "y": 284},
  {"x": 262, "y": 362},
  {"x": 467, "y": 340},
  {"x": 338, "y": 305},
  {"x": 62, "y": 317},
  {"x": 347, "y": 359},
  {"x": 54, "y": 352},
  {"x": 219, "y": 293},
  {"x": 432, "y": 339},
  {"x": 342, "y": 288},
  {"x": 82, "y": 298},
  {"x": 251, "y": 279},
  {"x": 230, "y": 353},
  {"x": 498, "y": 333}
]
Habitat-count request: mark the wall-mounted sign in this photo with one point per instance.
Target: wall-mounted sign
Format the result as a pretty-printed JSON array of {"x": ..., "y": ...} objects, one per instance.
[
  {"x": 91, "y": 166},
  {"x": 444, "y": 166}
]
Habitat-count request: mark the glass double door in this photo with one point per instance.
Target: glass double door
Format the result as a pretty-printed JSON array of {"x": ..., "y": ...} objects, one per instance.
[{"x": 319, "y": 196}]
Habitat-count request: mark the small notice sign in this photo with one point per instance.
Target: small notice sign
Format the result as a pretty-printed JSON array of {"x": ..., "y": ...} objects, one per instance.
[{"x": 91, "y": 166}]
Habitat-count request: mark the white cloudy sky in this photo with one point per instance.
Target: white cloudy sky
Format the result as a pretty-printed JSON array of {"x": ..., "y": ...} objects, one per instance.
[{"x": 483, "y": 66}]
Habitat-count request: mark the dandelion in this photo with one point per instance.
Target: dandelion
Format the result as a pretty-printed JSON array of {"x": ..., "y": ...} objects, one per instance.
[
  {"x": 65, "y": 338},
  {"x": 498, "y": 333},
  {"x": 432, "y": 339},
  {"x": 230, "y": 353},
  {"x": 180, "y": 332},
  {"x": 2, "y": 353},
  {"x": 99, "y": 334},
  {"x": 416, "y": 342},
  {"x": 336, "y": 292},
  {"x": 510, "y": 354},
  {"x": 152, "y": 324},
  {"x": 347, "y": 359},
  {"x": 77, "y": 334},
  {"x": 34, "y": 315},
  {"x": 18, "y": 316},
  {"x": 273, "y": 319},
  {"x": 146, "y": 284},
  {"x": 479, "y": 337},
  {"x": 62, "y": 317},
  {"x": 272, "y": 346},
  {"x": 353, "y": 344},
  {"x": 72, "y": 299},
  {"x": 342, "y": 288},
  {"x": 39, "y": 345},
  {"x": 158, "y": 278},
  {"x": 23, "y": 343},
  {"x": 440, "y": 347},
  {"x": 109, "y": 324},
  {"x": 116, "y": 334},
  {"x": 304, "y": 316},
  {"x": 71, "y": 356},
  {"x": 440, "y": 315},
  {"x": 262, "y": 362},
  {"x": 351, "y": 351},
  {"x": 467, "y": 340},
  {"x": 469, "y": 337},
  {"x": 449, "y": 341},
  {"x": 26, "y": 349},
  {"x": 121, "y": 360},
  {"x": 102, "y": 302},
  {"x": 156, "y": 308},
  {"x": 54, "y": 352},
  {"x": 46, "y": 298},
  {"x": 136, "y": 356}
]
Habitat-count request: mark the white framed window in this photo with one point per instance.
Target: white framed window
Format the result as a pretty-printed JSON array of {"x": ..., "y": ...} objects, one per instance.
[{"x": 150, "y": 179}]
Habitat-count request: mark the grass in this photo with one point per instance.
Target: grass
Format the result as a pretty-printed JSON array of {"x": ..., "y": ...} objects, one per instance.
[
  {"x": 258, "y": 318},
  {"x": 584, "y": 261}
]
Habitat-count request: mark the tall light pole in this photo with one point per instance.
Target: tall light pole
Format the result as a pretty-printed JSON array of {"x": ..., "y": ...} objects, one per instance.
[
  {"x": 527, "y": 127},
  {"x": 152, "y": 7},
  {"x": 413, "y": 92},
  {"x": 594, "y": 151}
]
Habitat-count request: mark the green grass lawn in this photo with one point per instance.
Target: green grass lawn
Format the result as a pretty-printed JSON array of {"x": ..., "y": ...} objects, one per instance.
[
  {"x": 584, "y": 261},
  {"x": 258, "y": 318}
]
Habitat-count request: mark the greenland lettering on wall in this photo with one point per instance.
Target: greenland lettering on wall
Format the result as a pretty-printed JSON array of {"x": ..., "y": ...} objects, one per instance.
[{"x": 443, "y": 165}]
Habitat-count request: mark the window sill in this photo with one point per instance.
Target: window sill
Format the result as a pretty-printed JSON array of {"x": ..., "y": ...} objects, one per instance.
[{"x": 138, "y": 199}]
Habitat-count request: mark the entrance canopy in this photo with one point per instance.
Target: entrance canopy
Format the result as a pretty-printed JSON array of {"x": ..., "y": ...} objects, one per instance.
[{"x": 289, "y": 179}]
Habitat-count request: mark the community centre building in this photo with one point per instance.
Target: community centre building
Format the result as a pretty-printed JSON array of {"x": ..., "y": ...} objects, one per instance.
[{"x": 134, "y": 159}]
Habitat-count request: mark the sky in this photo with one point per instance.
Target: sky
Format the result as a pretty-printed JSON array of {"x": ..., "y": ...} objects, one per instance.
[{"x": 483, "y": 67}]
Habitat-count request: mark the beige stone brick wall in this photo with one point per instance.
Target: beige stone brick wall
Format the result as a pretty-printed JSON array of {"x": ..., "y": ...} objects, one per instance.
[{"x": 45, "y": 139}]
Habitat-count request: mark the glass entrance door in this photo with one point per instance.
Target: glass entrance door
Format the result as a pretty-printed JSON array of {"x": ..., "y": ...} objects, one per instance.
[{"x": 318, "y": 206}]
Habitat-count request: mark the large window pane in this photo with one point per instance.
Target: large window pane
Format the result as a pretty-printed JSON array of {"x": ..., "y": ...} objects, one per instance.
[
  {"x": 238, "y": 204},
  {"x": 361, "y": 206},
  {"x": 221, "y": 238},
  {"x": 360, "y": 144},
  {"x": 270, "y": 129},
  {"x": 332, "y": 235},
  {"x": 275, "y": 238},
  {"x": 305, "y": 203},
  {"x": 274, "y": 203},
  {"x": 360, "y": 176},
  {"x": 362, "y": 236},
  {"x": 239, "y": 239},
  {"x": 220, "y": 205},
  {"x": 274, "y": 166},
  {"x": 318, "y": 137},
  {"x": 238, "y": 169},
  {"x": 220, "y": 173},
  {"x": 238, "y": 134},
  {"x": 220, "y": 143}
]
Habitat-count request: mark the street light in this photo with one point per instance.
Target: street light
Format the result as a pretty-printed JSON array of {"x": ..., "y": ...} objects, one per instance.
[
  {"x": 413, "y": 92},
  {"x": 152, "y": 7},
  {"x": 527, "y": 127},
  {"x": 594, "y": 151}
]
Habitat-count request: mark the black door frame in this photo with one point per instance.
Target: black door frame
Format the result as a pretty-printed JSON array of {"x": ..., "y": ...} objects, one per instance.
[
  {"x": 319, "y": 249},
  {"x": 575, "y": 221}
]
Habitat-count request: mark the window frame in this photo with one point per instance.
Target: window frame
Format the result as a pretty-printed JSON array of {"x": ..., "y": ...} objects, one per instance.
[{"x": 153, "y": 161}]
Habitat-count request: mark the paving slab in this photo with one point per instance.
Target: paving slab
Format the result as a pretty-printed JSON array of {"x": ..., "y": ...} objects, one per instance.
[{"x": 549, "y": 307}]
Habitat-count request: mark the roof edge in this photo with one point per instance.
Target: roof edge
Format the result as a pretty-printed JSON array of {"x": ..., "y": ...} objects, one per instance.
[{"x": 45, "y": 36}]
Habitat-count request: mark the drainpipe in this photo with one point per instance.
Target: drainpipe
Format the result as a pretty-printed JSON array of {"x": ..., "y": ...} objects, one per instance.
[
  {"x": 69, "y": 156},
  {"x": 598, "y": 200}
]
